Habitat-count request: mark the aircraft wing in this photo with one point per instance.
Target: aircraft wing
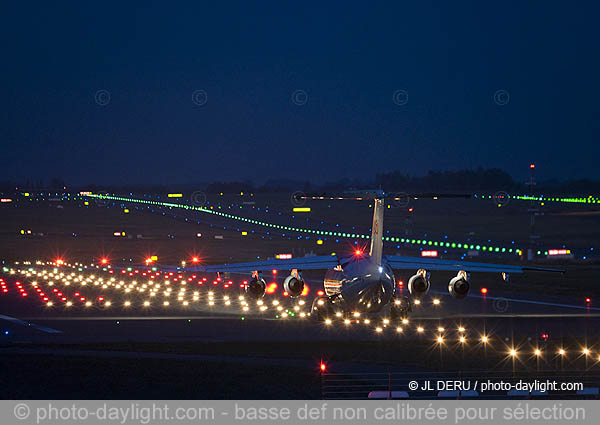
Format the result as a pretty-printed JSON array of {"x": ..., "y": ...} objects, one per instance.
[
  {"x": 303, "y": 263},
  {"x": 398, "y": 262}
]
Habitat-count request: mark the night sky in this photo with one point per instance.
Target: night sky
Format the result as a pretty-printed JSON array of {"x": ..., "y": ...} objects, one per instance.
[{"x": 166, "y": 93}]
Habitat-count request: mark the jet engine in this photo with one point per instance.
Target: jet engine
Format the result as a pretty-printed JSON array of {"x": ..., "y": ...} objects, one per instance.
[
  {"x": 294, "y": 285},
  {"x": 418, "y": 285},
  {"x": 256, "y": 287},
  {"x": 459, "y": 285}
]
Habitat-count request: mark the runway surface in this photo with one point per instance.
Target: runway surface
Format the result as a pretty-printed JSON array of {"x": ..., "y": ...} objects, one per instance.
[{"x": 80, "y": 312}]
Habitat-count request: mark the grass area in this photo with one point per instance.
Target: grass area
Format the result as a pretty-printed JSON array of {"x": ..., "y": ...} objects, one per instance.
[
  {"x": 34, "y": 376},
  {"x": 417, "y": 354}
]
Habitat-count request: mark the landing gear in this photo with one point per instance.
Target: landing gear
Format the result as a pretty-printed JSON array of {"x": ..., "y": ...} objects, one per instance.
[
  {"x": 322, "y": 309},
  {"x": 400, "y": 308}
]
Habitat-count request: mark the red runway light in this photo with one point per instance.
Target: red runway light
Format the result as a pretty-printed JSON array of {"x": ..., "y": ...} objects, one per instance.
[
  {"x": 320, "y": 293},
  {"x": 358, "y": 252},
  {"x": 484, "y": 291},
  {"x": 195, "y": 259},
  {"x": 323, "y": 367},
  {"x": 588, "y": 300},
  {"x": 104, "y": 260},
  {"x": 285, "y": 293}
]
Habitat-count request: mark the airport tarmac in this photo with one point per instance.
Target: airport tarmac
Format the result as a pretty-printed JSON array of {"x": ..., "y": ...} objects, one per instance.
[{"x": 499, "y": 314}]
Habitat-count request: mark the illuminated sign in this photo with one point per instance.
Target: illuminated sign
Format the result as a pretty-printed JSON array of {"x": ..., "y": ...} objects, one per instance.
[
  {"x": 175, "y": 195},
  {"x": 429, "y": 253},
  {"x": 85, "y": 193},
  {"x": 283, "y": 256},
  {"x": 5, "y": 200},
  {"x": 559, "y": 252},
  {"x": 301, "y": 209}
]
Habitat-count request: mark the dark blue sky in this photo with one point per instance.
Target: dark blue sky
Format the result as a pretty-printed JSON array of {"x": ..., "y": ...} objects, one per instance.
[{"x": 61, "y": 60}]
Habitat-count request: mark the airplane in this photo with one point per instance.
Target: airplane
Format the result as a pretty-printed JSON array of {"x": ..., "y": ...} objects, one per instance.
[{"x": 365, "y": 282}]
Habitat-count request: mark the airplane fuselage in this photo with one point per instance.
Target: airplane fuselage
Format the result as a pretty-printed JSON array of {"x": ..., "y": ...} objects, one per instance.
[{"x": 360, "y": 284}]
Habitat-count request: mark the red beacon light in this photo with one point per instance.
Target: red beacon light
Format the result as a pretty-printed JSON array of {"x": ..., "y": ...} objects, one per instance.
[
  {"x": 274, "y": 271},
  {"x": 358, "y": 252},
  {"x": 320, "y": 293},
  {"x": 484, "y": 291},
  {"x": 588, "y": 300},
  {"x": 195, "y": 259},
  {"x": 322, "y": 367},
  {"x": 104, "y": 260}
]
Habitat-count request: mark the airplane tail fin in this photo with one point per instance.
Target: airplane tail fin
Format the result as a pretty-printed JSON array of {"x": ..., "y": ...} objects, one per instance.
[{"x": 376, "y": 251}]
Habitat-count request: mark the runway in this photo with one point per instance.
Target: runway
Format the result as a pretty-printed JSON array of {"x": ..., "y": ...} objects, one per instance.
[{"x": 87, "y": 307}]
